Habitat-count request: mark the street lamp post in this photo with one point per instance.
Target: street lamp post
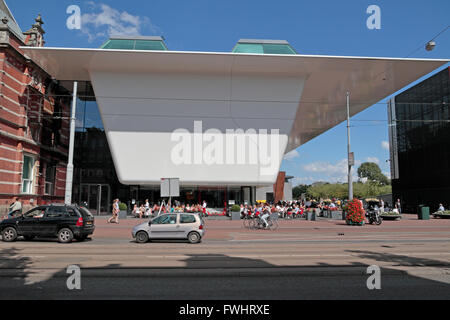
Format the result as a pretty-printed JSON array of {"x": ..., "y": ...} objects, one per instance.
[{"x": 69, "y": 172}]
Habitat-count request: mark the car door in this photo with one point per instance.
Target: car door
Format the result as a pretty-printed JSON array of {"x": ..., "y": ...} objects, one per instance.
[
  {"x": 29, "y": 224},
  {"x": 52, "y": 219},
  {"x": 186, "y": 224},
  {"x": 164, "y": 226}
]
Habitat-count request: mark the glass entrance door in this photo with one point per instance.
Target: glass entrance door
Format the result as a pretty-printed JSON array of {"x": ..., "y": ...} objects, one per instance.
[{"x": 89, "y": 194}]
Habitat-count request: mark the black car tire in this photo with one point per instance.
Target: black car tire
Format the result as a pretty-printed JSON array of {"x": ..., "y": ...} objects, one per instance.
[
  {"x": 142, "y": 237},
  {"x": 65, "y": 235},
  {"x": 9, "y": 234},
  {"x": 194, "y": 237}
]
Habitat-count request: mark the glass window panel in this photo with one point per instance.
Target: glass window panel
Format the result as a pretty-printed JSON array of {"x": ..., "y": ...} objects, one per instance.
[
  {"x": 277, "y": 49},
  {"x": 184, "y": 218},
  {"x": 27, "y": 167},
  {"x": 119, "y": 44},
  {"x": 149, "y": 45},
  {"x": 248, "y": 48}
]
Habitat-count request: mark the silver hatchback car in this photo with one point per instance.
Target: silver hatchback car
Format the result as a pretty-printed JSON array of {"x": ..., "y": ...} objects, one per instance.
[{"x": 188, "y": 226}]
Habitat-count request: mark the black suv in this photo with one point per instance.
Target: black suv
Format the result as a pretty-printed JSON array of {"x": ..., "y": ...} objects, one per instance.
[{"x": 56, "y": 220}]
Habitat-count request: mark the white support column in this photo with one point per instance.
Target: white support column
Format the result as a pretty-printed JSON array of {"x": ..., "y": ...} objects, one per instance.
[
  {"x": 350, "y": 158},
  {"x": 69, "y": 172}
]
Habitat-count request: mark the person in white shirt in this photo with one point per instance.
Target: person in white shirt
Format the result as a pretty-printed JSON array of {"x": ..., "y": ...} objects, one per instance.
[
  {"x": 15, "y": 208},
  {"x": 264, "y": 215},
  {"x": 204, "y": 207},
  {"x": 136, "y": 211},
  {"x": 147, "y": 210},
  {"x": 441, "y": 207}
]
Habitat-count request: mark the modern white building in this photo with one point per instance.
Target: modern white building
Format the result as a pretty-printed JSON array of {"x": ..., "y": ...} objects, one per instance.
[{"x": 219, "y": 119}]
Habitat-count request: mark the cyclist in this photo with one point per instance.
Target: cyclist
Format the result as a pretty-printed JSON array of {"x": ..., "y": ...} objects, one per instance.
[{"x": 265, "y": 215}]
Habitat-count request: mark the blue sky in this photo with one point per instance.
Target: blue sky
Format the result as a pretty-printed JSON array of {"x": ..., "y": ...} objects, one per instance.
[{"x": 325, "y": 27}]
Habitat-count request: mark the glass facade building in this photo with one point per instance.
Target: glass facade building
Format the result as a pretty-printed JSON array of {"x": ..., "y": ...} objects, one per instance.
[{"x": 421, "y": 157}]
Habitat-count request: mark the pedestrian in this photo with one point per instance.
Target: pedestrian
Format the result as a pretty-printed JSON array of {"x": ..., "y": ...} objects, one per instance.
[
  {"x": 115, "y": 212},
  {"x": 398, "y": 206},
  {"x": 15, "y": 208}
]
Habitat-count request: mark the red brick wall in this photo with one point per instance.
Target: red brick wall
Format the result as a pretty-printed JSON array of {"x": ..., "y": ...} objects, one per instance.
[
  {"x": 23, "y": 108},
  {"x": 278, "y": 187}
]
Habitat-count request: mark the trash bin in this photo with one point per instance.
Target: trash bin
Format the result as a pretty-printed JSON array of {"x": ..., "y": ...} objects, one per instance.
[
  {"x": 311, "y": 215},
  {"x": 122, "y": 214},
  {"x": 424, "y": 213},
  {"x": 235, "y": 215}
]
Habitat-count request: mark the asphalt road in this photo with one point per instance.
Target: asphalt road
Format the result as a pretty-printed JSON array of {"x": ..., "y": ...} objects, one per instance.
[{"x": 279, "y": 265}]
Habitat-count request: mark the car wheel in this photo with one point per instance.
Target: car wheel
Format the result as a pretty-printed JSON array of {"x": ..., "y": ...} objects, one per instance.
[
  {"x": 194, "y": 237},
  {"x": 141, "y": 237},
  {"x": 9, "y": 234},
  {"x": 65, "y": 235}
]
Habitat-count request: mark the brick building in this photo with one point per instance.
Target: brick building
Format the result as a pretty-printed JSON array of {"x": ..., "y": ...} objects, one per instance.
[{"x": 34, "y": 121}]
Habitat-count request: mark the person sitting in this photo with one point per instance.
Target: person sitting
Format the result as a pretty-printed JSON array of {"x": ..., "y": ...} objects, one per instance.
[
  {"x": 39, "y": 214},
  {"x": 135, "y": 211},
  {"x": 141, "y": 210},
  {"x": 148, "y": 211},
  {"x": 441, "y": 207}
]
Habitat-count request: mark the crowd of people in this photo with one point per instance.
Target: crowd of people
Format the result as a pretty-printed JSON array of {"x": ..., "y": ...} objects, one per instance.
[
  {"x": 284, "y": 209},
  {"x": 147, "y": 210}
]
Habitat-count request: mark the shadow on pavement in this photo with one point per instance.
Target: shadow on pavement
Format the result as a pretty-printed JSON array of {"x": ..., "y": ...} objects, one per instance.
[
  {"x": 220, "y": 277},
  {"x": 400, "y": 260}
]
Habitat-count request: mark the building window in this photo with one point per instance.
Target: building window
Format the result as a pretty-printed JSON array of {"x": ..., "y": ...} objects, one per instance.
[
  {"x": 50, "y": 173},
  {"x": 28, "y": 174}
]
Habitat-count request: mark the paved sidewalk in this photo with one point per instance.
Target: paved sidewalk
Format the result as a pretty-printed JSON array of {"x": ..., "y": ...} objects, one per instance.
[{"x": 408, "y": 228}]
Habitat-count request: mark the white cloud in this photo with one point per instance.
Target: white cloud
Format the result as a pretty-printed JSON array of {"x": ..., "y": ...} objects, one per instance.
[
  {"x": 109, "y": 21},
  {"x": 385, "y": 145},
  {"x": 373, "y": 159},
  {"x": 302, "y": 180},
  {"x": 291, "y": 155},
  {"x": 337, "y": 172},
  {"x": 326, "y": 167}
]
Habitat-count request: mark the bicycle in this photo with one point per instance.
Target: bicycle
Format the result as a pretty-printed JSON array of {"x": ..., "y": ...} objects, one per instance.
[
  {"x": 257, "y": 223},
  {"x": 247, "y": 220}
]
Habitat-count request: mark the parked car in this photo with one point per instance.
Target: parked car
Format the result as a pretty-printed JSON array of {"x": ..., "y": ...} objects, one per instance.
[
  {"x": 188, "y": 226},
  {"x": 66, "y": 222}
]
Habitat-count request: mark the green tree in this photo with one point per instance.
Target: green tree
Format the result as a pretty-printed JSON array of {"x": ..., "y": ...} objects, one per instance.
[
  {"x": 298, "y": 190},
  {"x": 372, "y": 172}
]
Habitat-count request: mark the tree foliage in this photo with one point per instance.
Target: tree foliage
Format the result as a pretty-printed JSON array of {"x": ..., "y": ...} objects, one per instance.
[
  {"x": 372, "y": 172},
  {"x": 340, "y": 190},
  {"x": 298, "y": 190}
]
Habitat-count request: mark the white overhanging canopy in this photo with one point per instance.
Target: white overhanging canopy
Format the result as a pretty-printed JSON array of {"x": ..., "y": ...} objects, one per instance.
[{"x": 143, "y": 96}]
